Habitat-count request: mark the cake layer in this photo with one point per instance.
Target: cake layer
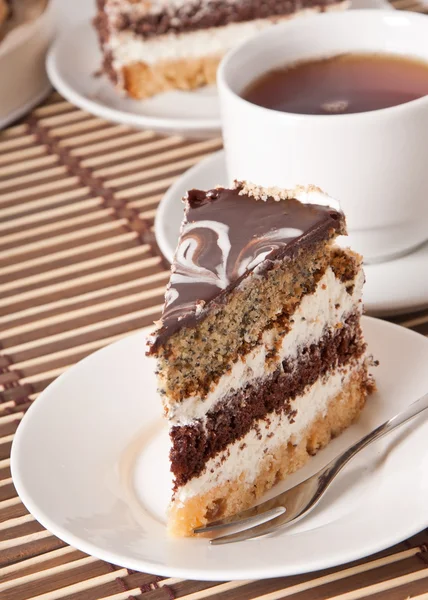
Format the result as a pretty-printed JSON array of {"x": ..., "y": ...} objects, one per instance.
[
  {"x": 230, "y": 283},
  {"x": 148, "y": 19},
  {"x": 196, "y": 357},
  {"x": 284, "y": 392},
  {"x": 237, "y": 478},
  {"x": 326, "y": 308},
  {"x": 128, "y": 49},
  {"x": 142, "y": 81}
]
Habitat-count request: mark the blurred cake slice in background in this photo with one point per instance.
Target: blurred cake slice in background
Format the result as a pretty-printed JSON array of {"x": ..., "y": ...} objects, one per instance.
[
  {"x": 16, "y": 13},
  {"x": 26, "y": 29},
  {"x": 4, "y": 13},
  {"x": 151, "y": 46}
]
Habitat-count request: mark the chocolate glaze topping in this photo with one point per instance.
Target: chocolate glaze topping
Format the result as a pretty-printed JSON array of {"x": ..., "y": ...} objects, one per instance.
[{"x": 225, "y": 236}]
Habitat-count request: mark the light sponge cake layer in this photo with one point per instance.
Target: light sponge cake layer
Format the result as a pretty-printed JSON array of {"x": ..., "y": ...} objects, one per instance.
[
  {"x": 236, "y": 479},
  {"x": 319, "y": 313}
]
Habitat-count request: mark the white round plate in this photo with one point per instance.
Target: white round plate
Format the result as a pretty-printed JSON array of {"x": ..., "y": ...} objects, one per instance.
[
  {"x": 89, "y": 461},
  {"x": 393, "y": 287},
  {"x": 71, "y": 67},
  {"x": 22, "y": 109}
]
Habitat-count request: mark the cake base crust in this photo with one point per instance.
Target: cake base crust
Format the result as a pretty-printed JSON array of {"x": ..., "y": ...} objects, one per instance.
[
  {"x": 142, "y": 80},
  {"x": 234, "y": 496}
]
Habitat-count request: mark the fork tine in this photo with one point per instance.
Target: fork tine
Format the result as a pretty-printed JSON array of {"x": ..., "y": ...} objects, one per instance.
[
  {"x": 248, "y": 534},
  {"x": 265, "y": 508},
  {"x": 245, "y": 523}
]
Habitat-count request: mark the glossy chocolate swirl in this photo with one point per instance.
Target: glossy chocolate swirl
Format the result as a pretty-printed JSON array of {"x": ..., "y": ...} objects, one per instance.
[{"x": 225, "y": 236}]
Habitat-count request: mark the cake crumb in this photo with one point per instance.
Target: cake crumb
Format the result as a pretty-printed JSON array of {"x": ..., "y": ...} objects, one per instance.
[{"x": 258, "y": 192}]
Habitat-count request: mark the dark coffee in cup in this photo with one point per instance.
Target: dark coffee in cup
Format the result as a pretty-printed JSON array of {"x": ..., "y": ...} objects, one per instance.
[{"x": 347, "y": 83}]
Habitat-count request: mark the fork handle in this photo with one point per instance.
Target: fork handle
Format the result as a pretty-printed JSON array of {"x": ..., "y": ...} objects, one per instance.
[{"x": 399, "y": 419}]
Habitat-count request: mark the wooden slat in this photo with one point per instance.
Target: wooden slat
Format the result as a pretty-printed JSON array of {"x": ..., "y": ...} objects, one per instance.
[
  {"x": 114, "y": 228},
  {"x": 118, "y": 132},
  {"x": 70, "y": 130},
  {"x": 20, "y": 180},
  {"x": 12, "y": 168},
  {"x": 139, "y": 299},
  {"x": 415, "y": 321},
  {"x": 21, "y": 154},
  {"x": 217, "y": 589},
  {"x": 66, "y": 271},
  {"x": 28, "y": 316},
  {"x": 85, "y": 282},
  {"x": 51, "y": 109},
  {"x": 36, "y": 565},
  {"x": 119, "y": 156},
  {"x": 323, "y": 580},
  {"x": 50, "y": 215},
  {"x": 384, "y": 586},
  {"x": 155, "y": 172},
  {"x": 71, "y": 116},
  {"x": 47, "y": 231},
  {"x": 14, "y": 131},
  {"x": 43, "y": 189},
  {"x": 63, "y": 337},
  {"x": 18, "y": 142},
  {"x": 39, "y": 363},
  {"x": 45, "y": 201},
  {"x": 126, "y": 595}
]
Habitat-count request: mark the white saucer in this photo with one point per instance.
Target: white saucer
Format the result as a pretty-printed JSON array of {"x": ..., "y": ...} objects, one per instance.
[
  {"x": 394, "y": 287},
  {"x": 89, "y": 461},
  {"x": 71, "y": 67}
]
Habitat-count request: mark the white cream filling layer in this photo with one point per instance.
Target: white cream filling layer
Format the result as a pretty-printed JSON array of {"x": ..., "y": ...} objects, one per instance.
[
  {"x": 128, "y": 48},
  {"x": 318, "y": 312},
  {"x": 115, "y": 8},
  {"x": 238, "y": 459}
]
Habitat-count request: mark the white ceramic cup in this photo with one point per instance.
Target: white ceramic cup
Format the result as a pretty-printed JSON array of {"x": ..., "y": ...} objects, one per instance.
[{"x": 375, "y": 163}]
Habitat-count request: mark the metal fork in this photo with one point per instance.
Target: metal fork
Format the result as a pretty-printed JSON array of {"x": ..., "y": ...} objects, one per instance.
[{"x": 294, "y": 504}]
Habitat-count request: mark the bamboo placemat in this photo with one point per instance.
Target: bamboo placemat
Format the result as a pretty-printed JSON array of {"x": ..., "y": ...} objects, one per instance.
[{"x": 79, "y": 268}]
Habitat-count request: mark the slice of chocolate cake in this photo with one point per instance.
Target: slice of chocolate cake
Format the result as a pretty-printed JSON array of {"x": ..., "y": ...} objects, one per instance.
[
  {"x": 261, "y": 358},
  {"x": 157, "y": 45}
]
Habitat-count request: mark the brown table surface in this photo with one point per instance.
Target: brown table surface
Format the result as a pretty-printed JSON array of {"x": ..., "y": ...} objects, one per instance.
[{"x": 79, "y": 268}]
